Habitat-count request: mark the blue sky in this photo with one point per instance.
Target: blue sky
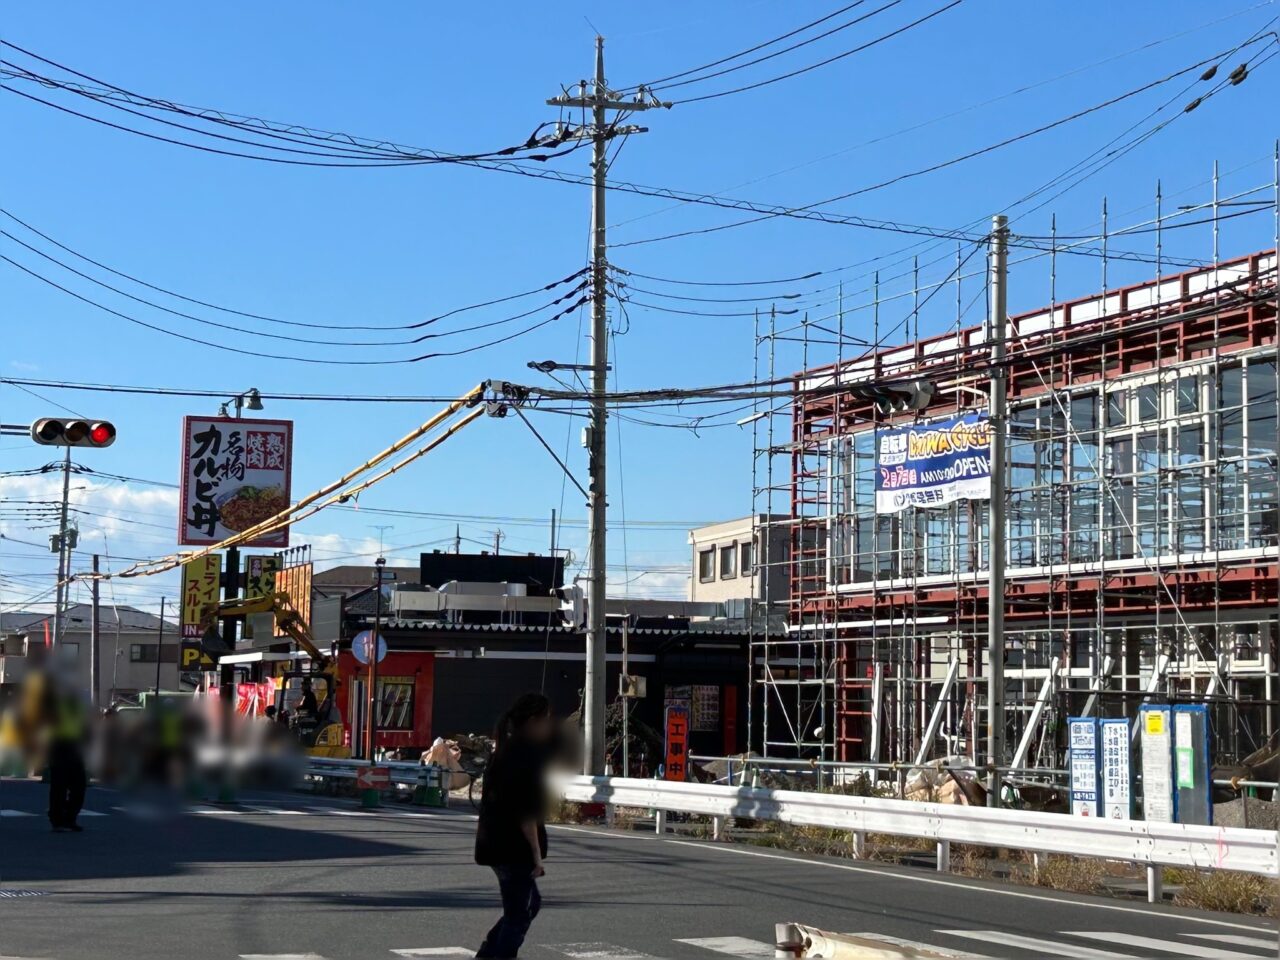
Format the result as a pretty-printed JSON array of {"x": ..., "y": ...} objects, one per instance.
[{"x": 399, "y": 245}]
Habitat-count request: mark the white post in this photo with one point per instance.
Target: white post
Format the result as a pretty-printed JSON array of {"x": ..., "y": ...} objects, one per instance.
[
  {"x": 718, "y": 828},
  {"x": 1155, "y": 883},
  {"x": 660, "y": 822},
  {"x": 859, "y": 848},
  {"x": 944, "y": 856}
]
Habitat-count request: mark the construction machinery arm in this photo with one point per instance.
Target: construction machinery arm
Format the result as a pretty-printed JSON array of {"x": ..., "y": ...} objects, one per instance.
[{"x": 286, "y": 615}]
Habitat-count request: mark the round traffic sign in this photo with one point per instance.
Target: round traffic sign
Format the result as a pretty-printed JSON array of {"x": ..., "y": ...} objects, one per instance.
[{"x": 363, "y": 642}]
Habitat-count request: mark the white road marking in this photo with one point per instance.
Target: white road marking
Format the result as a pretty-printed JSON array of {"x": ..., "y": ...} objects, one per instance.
[
  {"x": 733, "y": 946},
  {"x": 276, "y": 811},
  {"x": 936, "y": 881},
  {"x": 435, "y": 952},
  {"x": 281, "y": 956},
  {"x": 93, "y": 813},
  {"x": 918, "y": 945},
  {"x": 1238, "y": 940},
  {"x": 597, "y": 951},
  {"x": 215, "y": 812},
  {"x": 15, "y": 813},
  {"x": 1168, "y": 946},
  {"x": 1044, "y": 948}
]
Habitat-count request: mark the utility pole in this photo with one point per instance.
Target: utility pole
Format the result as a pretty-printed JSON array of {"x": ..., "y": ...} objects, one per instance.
[
  {"x": 64, "y": 554},
  {"x": 159, "y": 650},
  {"x": 600, "y": 100},
  {"x": 95, "y": 639},
  {"x": 997, "y": 324}
]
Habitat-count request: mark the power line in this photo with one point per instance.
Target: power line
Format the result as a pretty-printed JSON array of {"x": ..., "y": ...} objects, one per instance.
[
  {"x": 292, "y": 323},
  {"x": 822, "y": 63}
]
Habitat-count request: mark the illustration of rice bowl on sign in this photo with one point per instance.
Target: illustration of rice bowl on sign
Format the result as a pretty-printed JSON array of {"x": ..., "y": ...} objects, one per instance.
[{"x": 247, "y": 506}]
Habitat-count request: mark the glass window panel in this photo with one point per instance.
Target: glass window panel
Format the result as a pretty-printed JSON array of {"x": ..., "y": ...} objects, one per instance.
[
  {"x": 1190, "y": 443},
  {"x": 1230, "y": 387},
  {"x": 1084, "y": 411},
  {"x": 1117, "y": 408},
  {"x": 1188, "y": 396},
  {"x": 1189, "y": 497},
  {"x": 1119, "y": 460},
  {"x": 1148, "y": 402},
  {"x": 1118, "y": 519},
  {"x": 1148, "y": 452},
  {"x": 1231, "y": 526}
]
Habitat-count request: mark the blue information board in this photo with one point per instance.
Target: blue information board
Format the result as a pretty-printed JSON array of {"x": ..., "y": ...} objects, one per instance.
[{"x": 1082, "y": 737}]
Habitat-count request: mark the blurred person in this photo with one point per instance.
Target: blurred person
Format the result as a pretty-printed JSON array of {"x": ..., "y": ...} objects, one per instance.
[
  {"x": 511, "y": 837},
  {"x": 306, "y": 707},
  {"x": 67, "y": 727},
  {"x": 270, "y": 713}
]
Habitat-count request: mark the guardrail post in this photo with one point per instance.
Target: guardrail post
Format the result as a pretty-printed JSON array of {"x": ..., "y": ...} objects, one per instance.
[
  {"x": 1038, "y": 862},
  {"x": 719, "y": 828},
  {"x": 1155, "y": 883},
  {"x": 944, "y": 856},
  {"x": 660, "y": 822},
  {"x": 859, "y": 849}
]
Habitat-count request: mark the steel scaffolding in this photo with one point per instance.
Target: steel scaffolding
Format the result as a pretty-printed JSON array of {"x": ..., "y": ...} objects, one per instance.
[{"x": 1143, "y": 504}]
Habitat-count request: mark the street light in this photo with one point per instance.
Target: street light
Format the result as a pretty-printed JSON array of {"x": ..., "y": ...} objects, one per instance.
[{"x": 251, "y": 399}]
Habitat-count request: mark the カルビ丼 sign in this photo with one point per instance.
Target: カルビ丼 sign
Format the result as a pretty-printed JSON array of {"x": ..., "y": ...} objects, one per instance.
[{"x": 235, "y": 474}]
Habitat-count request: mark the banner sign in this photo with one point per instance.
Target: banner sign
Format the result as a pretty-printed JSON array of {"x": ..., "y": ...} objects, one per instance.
[
  {"x": 1082, "y": 733},
  {"x": 260, "y": 572},
  {"x": 1157, "y": 763},
  {"x": 677, "y": 753},
  {"x": 200, "y": 582},
  {"x": 1117, "y": 770},
  {"x": 295, "y": 580},
  {"x": 235, "y": 474},
  {"x": 932, "y": 464}
]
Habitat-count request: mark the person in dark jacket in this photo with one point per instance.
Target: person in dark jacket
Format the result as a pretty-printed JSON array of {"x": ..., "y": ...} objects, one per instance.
[{"x": 511, "y": 837}]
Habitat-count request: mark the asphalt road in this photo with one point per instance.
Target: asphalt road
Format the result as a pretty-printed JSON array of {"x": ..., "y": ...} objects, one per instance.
[{"x": 291, "y": 875}]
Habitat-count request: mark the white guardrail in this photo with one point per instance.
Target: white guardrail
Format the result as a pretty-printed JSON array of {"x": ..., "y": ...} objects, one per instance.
[
  {"x": 403, "y": 772},
  {"x": 1151, "y": 844}
]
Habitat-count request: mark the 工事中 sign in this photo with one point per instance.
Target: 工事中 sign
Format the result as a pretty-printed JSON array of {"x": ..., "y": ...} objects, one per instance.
[{"x": 235, "y": 474}]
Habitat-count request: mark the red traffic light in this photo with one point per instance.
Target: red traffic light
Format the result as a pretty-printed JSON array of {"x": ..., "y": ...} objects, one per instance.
[{"x": 52, "y": 431}]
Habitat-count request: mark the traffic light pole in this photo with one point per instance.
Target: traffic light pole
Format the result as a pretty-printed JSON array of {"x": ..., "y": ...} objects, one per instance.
[
  {"x": 64, "y": 555},
  {"x": 226, "y": 672},
  {"x": 600, "y": 101}
]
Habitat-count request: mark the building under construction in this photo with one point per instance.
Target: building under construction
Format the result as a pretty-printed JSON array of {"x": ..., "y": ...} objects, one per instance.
[{"x": 1142, "y": 509}]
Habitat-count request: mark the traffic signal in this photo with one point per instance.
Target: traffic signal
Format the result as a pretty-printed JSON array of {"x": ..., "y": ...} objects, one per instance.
[
  {"x": 897, "y": 397},
  {"x": 55, "y": 432}
]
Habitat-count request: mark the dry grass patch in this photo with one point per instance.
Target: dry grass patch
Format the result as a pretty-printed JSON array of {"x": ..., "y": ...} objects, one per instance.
[{"x": 1223, "y": 890}]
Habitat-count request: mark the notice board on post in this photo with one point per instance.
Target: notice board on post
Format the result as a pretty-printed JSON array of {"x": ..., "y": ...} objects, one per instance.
[
  {"x": 1083, "y": 739},
  {"x": 1116, "y": 769},
  {"x": 1191, "y": 766},
  {"x": 1154, "y": 723}
]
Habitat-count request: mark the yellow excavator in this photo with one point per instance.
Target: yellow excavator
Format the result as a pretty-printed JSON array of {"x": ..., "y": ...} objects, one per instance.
[{"x": 321, "y": 734}]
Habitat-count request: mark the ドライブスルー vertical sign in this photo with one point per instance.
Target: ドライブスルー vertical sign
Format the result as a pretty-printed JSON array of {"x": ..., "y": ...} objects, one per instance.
[
  {"x": 235, "y": 474},
  {"x": 932, "y": 464},
  {"x": 201, "y": 578},
  {"x": 1083, "y": 737}
]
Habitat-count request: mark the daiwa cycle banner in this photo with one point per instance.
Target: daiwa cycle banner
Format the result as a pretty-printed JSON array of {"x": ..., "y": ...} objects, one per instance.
[{"x": 933, "y": 464}]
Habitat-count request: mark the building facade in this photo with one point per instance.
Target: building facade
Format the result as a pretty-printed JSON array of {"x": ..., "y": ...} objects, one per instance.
[
  {"x": 741, "y": 559},
  {"x": 132, "y": 645},
  {"x": 1143, "y": 511}
]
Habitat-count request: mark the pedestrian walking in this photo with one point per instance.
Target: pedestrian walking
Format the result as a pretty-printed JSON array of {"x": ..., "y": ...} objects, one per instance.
[{"x": 511, "y": 837}]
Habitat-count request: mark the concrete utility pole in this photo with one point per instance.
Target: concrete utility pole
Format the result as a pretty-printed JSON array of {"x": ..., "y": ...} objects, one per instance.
[
  {"x": 95, "y": 639},
  {"x": 997, "y": 324},
  {"x": 599, "y": 101},
  {"x": 64, "y": 553}
]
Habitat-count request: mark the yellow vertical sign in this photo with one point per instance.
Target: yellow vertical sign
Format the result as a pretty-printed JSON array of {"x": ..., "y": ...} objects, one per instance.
[{"x": 199, "y": 591}]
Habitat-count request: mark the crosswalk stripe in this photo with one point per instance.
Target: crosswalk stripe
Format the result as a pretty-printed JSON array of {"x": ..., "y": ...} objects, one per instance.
[
  {"x": 1168, "y": 946},
  {"x": 93, "y": 813},
  {"x": 597, "y": 951},
  {"x": 435, "y": 952},
  {"x": 276, "y": 811},
  {"x": 918, "y": 945},
  {"x": 733, "y": 946},
  {"x": 15, "y": 813},
  {"x": 1238, "y": 939},
  {"x": 1052, "y": 948}
]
